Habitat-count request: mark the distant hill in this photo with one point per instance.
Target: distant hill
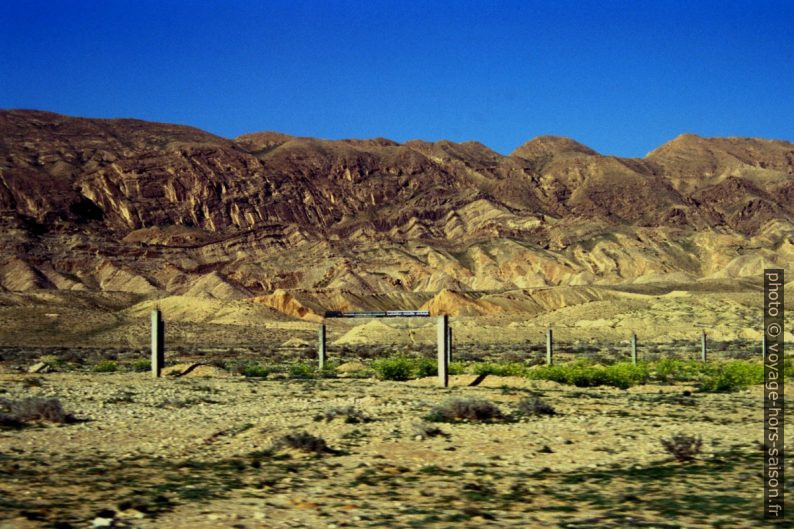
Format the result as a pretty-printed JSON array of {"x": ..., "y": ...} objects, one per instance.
[{"x": 129, "y": 205}]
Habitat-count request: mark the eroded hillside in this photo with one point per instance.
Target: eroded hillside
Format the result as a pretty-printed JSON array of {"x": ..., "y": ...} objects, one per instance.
[{"x": 158, "y": 209}]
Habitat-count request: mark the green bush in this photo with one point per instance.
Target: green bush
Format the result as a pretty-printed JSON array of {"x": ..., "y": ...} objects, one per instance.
[
  {"x": 508, "y": 369},
  {"x": 555, "y": 373},
  {"x": 674, "y": 370},
  {"x": 582, "y": 373},
  {"x": 141, "y": 365},
  {"x": 106, "y": 366},
  {"x": 252, "y": 370},
  {"x": 625, "y": 374},
  {"x": 426, "y": 367},
  {"x": 328, "y": 371},
  {"x": 732, "y": 376},
  {"x": 394, "y": 368},
  {"x": 401, "y": 367},
  {"x": 301, "y": 370},
  {"x": 456, "y": 368}
]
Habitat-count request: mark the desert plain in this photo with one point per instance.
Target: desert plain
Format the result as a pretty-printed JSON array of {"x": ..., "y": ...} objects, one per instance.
[{"x": 207, "y": 448}]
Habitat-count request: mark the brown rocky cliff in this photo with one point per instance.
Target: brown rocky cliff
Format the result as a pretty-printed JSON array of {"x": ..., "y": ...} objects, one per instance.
[{"x": 127, "y": 204}]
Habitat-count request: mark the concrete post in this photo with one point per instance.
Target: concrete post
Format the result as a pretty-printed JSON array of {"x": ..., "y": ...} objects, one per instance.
[
  {"x": 548, "y": 347},
  {"x": 634, "y": 348},
  {"x": 321, "y": 347},
  {"x": 449, "y": 346},
  {"x": 443, "y": 350},
  {"x": 703, "y": 346},
  {"x": 158, "y": 343}
]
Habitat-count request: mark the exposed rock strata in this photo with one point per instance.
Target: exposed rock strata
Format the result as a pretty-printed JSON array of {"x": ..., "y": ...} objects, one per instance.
[{"x": 305, "y": 224}]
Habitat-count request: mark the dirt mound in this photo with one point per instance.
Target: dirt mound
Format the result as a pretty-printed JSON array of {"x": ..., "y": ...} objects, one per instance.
[
  {"x": 214, "y": 286},
  {"x": 284, "y": 302},
  {"x": 457, "y": 304},
  {"x": 378, "y": 332},
  {"x": 296, "y": 342}
]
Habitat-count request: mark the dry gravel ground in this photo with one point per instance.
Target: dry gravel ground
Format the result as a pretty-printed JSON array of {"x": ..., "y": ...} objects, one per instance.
[{"x": 198, "y": 452}]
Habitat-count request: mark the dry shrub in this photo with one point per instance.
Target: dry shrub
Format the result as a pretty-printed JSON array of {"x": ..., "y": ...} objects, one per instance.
[
  {"x": 683, "y": 447},
  {"x": 36, "y": 409},
  {"x": 426, "y": 431},
  {"x": 534, "y": 406},
  {"x": 350, "y": 415},
  {"x": 465, "y": 409},
  {"x": 305, "y": 442}
]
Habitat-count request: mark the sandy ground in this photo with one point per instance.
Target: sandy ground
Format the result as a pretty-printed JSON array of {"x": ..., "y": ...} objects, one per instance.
[{"x": 197, "y": 452}]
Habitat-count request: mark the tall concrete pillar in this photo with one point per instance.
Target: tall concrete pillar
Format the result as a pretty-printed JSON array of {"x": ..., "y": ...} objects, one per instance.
[
  {"x": 549, "y": 347},
  {"x": 158, "y": 343},
  {"x": 449, "y": 346},
  {"x": 634, "y": 348},
  {"x": 321, "y": 355},
  {"x": 443, "y": 350},
  {"x": 703, "y": 346}
]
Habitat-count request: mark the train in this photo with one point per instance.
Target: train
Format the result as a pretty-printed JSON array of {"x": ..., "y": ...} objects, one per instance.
[{"x": 378, "y": 314}]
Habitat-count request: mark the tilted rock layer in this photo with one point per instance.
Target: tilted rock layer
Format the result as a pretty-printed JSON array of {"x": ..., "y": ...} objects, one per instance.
[{"x": 304, "y": 225}]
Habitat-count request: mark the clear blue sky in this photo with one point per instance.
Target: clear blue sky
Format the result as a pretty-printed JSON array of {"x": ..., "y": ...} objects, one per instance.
[{"x": 622, "y": 77}]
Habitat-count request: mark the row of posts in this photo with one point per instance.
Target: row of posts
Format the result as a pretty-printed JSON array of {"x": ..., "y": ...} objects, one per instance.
[
  {"x": 444, "y": 336},
  {"x": 550, "y": 347}
]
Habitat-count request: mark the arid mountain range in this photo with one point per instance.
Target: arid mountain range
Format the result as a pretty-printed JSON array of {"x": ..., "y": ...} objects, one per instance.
[{"x": 305, "y": 224}]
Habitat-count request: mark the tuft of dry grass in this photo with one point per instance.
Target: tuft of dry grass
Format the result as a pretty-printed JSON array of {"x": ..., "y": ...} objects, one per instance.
[
  {"x": 8, "y": 421},
  {"x": 534, "y": 406},
  {"x": 683, "y": 447},
  {"x": 350, "y": 414},
  {"x": 305, "y": 442},
  {"x": 33, "y": 409},
  {"x": 465, "y": 409},
  {"x": 426, "y": 431}
]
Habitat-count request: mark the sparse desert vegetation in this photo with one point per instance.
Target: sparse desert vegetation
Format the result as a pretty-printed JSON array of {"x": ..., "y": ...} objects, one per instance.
[
  {"x": 254, "y": 434},
  {"x": 227, "y": 449}
]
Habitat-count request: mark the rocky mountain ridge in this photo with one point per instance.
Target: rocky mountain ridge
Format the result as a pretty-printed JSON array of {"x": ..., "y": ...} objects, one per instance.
[{"x": 159, "y": 209}]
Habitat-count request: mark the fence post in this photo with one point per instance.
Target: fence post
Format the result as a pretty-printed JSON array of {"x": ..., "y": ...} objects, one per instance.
[
  {"x": 321, "y": 347},
  {"x": 158, "y": 346},
  {"x": 449, "y": 346},
  {"x": 443, "y": 350},
  {"x": 548, "y": 347},
  {"x": 634, "y": 348},
  {"x": 703, "y": 346}
]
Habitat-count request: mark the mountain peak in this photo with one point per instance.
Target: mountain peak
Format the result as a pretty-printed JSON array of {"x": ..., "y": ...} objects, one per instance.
[
  {"x": 544, "y": 146},
  {"x": 257, "y": 141}
]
